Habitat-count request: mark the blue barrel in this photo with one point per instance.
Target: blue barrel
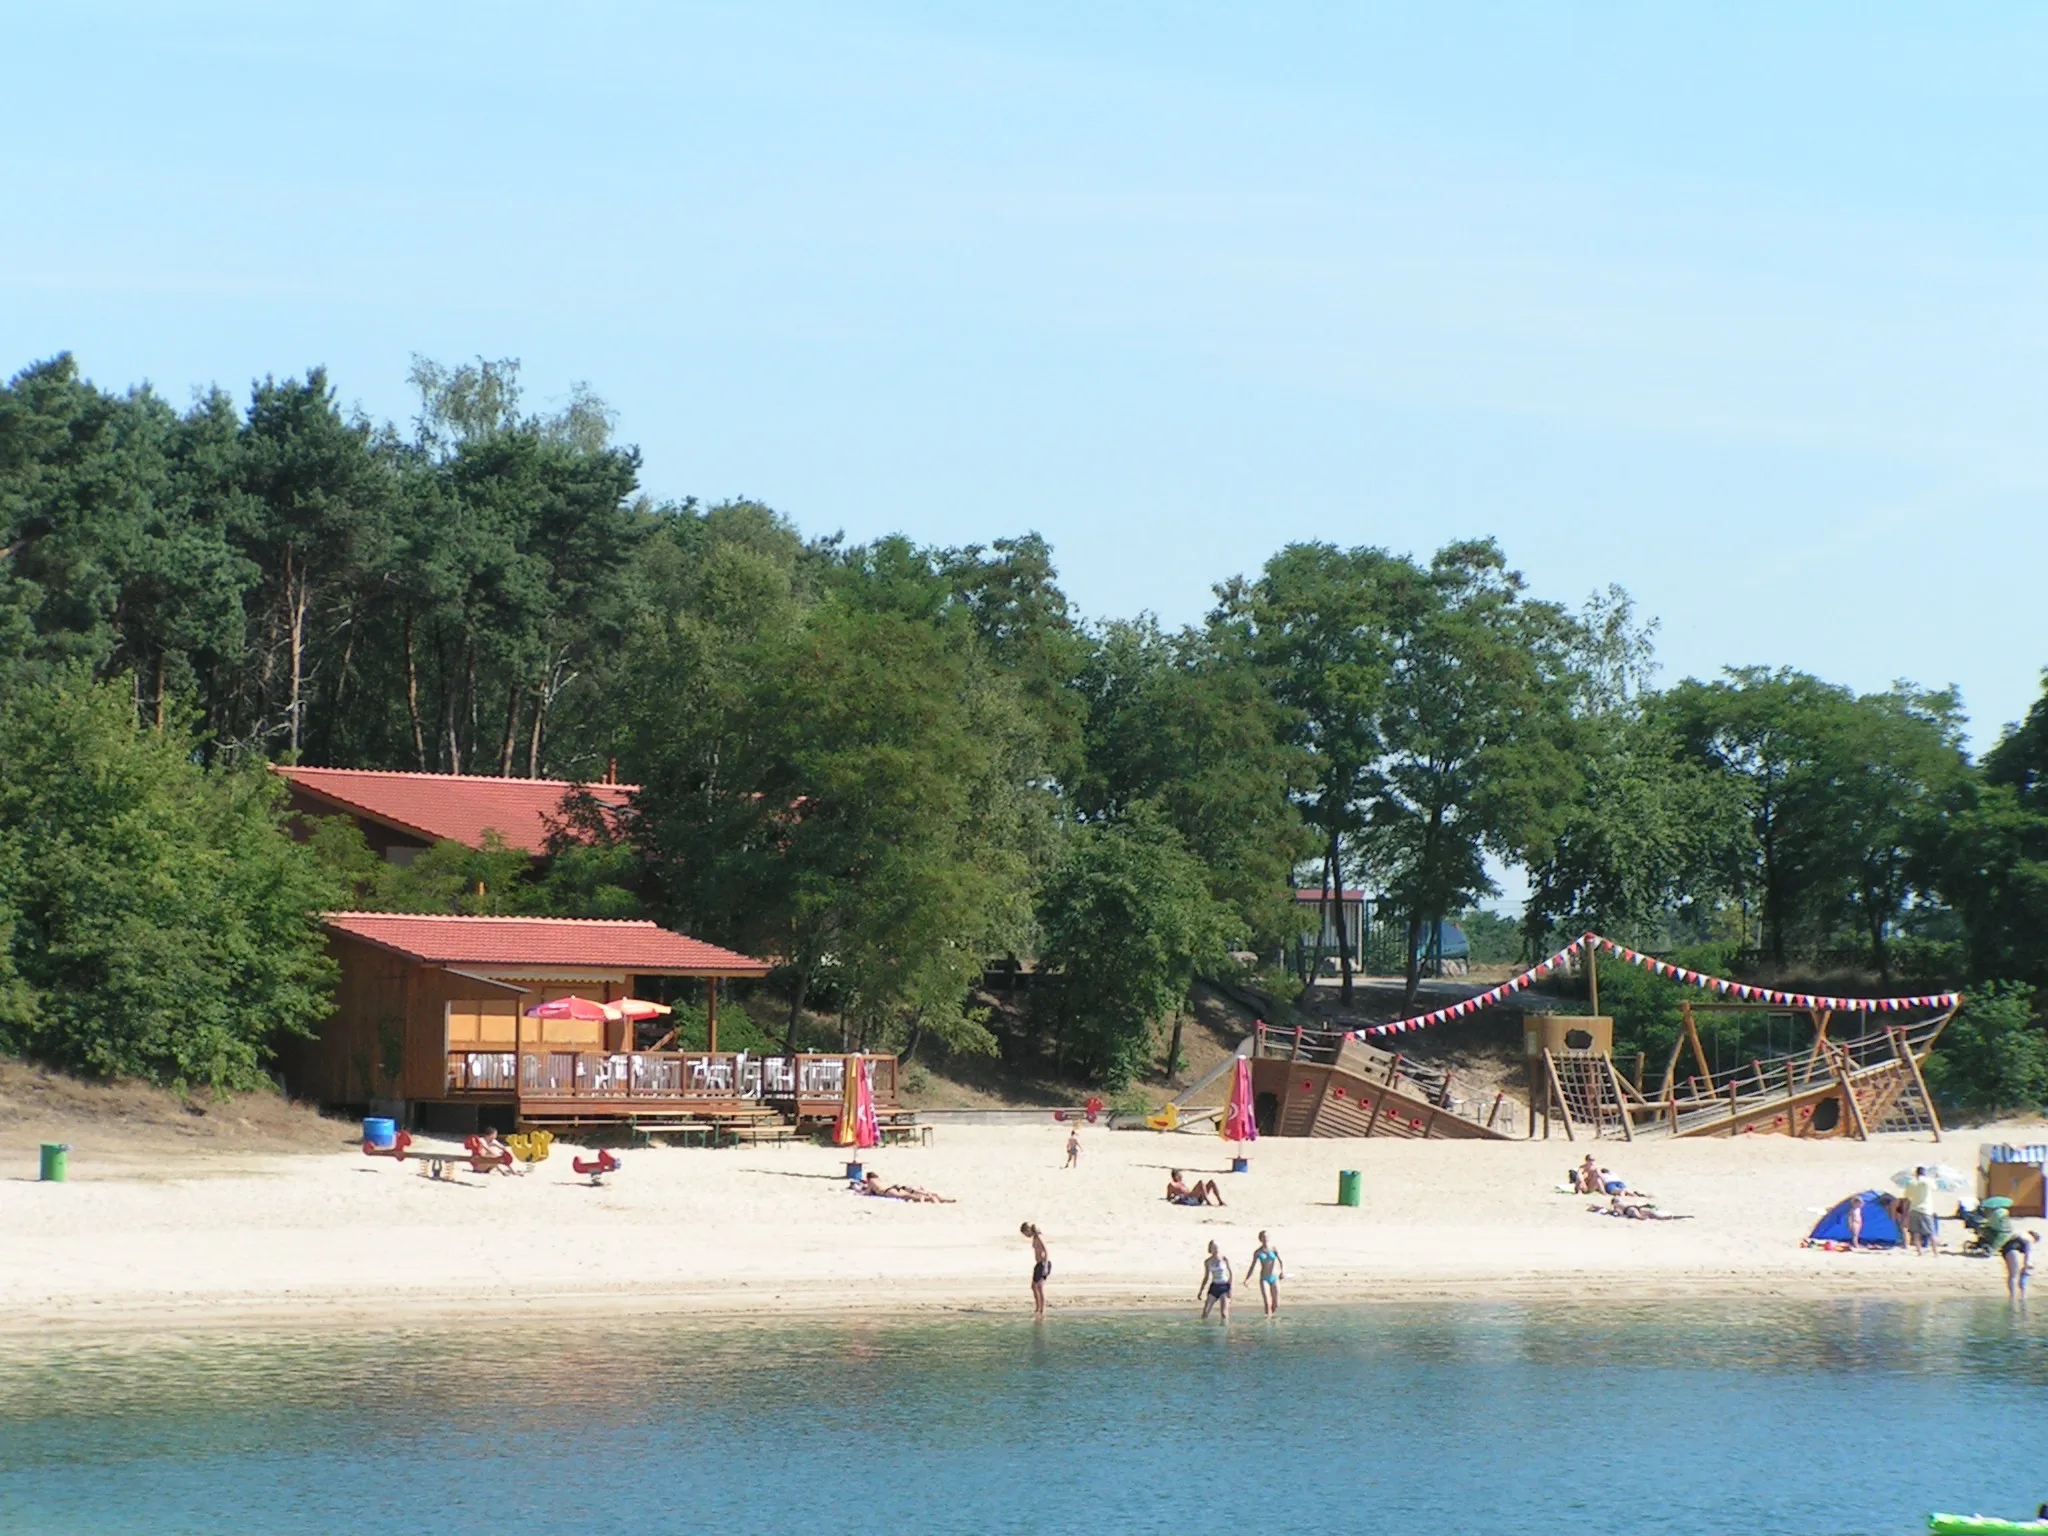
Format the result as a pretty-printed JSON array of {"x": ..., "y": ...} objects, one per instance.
[{"x": 380, "y": 1133}]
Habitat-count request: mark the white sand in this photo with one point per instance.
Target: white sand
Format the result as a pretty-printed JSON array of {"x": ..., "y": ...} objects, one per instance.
[{"x": 343, "y": 1238}]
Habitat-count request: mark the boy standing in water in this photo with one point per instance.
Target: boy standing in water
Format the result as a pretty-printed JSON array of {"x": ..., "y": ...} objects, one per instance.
[
  {"x": 1271, "y": 1270},
  {"x": 1041, "y": 1269}
]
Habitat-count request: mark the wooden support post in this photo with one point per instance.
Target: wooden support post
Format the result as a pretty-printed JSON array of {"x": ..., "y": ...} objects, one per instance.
[
  {"x": 1564, "y": 1108},
  {"x": 1593, "y": 978},
  {"x": 1843, "y": 1074},
  {"x": 1791, "y": 1097},
  {"x": 1498, "y": 1099},
  {"x": 1642, "y": 1066},
  {"x": 1912, "y": 1069},
  {"x": 1699, "y": 1051},
  {"x": 711, "y": 1015},
  {"x": 1628, "y": 1121}
]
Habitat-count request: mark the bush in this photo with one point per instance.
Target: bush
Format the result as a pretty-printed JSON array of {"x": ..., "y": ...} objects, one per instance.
[
  {"x": 157, "y": 921},
  {"x": 1993, "y": 1057}
]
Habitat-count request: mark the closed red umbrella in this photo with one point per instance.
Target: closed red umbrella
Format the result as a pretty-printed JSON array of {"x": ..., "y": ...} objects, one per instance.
[{"x": 1239, "y": 1124}]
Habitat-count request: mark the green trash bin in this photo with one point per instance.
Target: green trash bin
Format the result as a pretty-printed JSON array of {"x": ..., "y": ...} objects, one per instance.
[
  {"x": 56, "y": 1162},
  {"x": 1348, "y": 1187}
]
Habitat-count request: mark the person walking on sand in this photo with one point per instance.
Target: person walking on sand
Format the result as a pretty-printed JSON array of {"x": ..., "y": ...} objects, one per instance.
[
  {"x": 1271, "y": 1269},
  {"x": 1041, "y": 1268},
  {"x": 1074, "y": 1147},
  {"x": 1213, "y": 1290}
]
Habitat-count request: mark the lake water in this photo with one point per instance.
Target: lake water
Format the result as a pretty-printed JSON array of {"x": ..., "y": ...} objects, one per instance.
[{"x": 1849, "y": 1417}]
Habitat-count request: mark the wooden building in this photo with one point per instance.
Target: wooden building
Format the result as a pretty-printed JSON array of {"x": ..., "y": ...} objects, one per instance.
[
  {"x": 403, "y": 813},
  {"x": 430, "y": 1023}
]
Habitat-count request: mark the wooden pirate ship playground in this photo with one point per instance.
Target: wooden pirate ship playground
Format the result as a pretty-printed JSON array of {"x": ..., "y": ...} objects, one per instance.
[{"x": 1851, "y": 1066}]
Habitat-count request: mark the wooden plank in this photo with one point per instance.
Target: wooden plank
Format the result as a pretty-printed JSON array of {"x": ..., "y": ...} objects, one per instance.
[
  {"x": 1840, "y": 1061},
  {"x": 1557, "y": 1092},
  {"x": 1628, "y": 1124},
  {"x": 1912, "y": 1066}
]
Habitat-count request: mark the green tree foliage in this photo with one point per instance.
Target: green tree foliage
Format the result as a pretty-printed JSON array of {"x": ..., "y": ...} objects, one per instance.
[
  {"x": 1993, "y": 1057},
  {"x": 1129, "y": 921},
  {"x": 876, "y": 762},
  {"x": 1183, "y": 722},
  {"x": 159, "y": 922},
  {"x": 1836, "y": 791}
]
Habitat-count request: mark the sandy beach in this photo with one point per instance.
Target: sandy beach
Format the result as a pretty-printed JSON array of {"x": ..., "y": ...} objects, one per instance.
[{"x": 225, "y": 1237}]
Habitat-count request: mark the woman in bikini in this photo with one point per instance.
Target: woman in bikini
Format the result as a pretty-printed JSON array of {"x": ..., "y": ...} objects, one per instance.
[
  {"x": 1041, "y": 1268},
  {"x": 1213, "y": 1290},
  {"x": 1268, "y": 1266}
]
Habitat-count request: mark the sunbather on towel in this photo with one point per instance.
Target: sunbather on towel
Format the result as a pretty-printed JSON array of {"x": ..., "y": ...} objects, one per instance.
[
  {"x": 872, "y": 1185},
  {"x": 1632, "y": 1210}
]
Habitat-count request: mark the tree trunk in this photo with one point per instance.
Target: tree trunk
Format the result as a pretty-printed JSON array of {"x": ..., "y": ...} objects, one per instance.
[
  {"x": 1343, "y": 927},
  {"x": 412, "y": 697},
  {"x": 540, "y": 713},
  {"x": 1173, "y": 1046},
  {"x": 1411, "y": 960},
  {"x": 159, "y": 693},
  {"x": 299, "y": 596},
  {"x": 796, "y": 1008},
  {"x": 511, "y": 741}
]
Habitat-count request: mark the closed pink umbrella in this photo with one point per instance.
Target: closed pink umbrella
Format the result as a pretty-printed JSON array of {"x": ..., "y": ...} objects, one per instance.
[
  {"x": 570, "y": 1008},
  {"x": 636, "y": 1009},
  {"x": 1239, "y": 1124}
]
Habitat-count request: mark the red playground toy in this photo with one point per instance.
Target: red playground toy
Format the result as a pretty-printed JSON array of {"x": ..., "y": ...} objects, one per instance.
[{"x": 596, "y": 1167}]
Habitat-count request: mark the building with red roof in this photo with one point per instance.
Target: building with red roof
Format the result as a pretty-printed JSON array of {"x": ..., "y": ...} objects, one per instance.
[
  {"x": 432, "y": 1009},
  {"x": 401, "y": 813}
]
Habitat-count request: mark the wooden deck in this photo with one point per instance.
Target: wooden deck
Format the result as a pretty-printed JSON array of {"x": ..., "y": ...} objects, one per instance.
[{"x": 557, "y": 1087}]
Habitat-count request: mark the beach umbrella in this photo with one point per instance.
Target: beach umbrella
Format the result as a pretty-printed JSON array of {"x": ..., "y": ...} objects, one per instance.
[
  {"x": 1940, "y": 1175},
  {"x": 1238, "y": 1123},
  {"x": 636, "y": 1008},
  {"x": 857, "y": 1127},
  {"x": 570, "y": 1008}
]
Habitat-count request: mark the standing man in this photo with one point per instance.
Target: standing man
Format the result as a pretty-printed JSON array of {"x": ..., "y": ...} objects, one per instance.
[{"x": 1923, "y": 1228}]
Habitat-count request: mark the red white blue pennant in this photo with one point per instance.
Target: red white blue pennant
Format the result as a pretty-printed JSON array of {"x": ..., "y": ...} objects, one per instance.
[{"x": 1720, "y": 985}]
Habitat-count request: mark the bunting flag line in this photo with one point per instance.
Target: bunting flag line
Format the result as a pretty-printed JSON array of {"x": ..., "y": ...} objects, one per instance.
[{"x": 1719, "y": 985}]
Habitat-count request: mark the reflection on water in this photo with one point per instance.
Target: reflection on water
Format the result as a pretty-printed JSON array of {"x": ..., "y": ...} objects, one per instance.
[{"x": 1853, "y": 1416}]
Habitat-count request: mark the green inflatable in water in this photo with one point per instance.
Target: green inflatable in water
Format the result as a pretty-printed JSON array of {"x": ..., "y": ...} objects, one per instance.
[{"x": 1982, "y": 1525}]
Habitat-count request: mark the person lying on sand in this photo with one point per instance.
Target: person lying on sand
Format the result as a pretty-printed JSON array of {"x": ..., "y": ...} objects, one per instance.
[
  {"x": 1632, "y": 1210},
  {"x": 873, "y": 1185},
  {"x": 1201, "y": 1192}
]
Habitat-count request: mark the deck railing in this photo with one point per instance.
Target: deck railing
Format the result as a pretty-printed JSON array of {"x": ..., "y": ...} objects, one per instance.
[{"x": 539, "y": 1072}]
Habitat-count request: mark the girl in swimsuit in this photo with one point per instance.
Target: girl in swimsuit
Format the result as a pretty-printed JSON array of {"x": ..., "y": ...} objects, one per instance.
[
  {"x": 1271, "y": 1271},
  {"x": 1214, "y": 1288},
  {"x": 1041, "y": 1269}
]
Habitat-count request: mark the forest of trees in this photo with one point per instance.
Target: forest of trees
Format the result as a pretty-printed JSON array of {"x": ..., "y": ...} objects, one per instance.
[{"x": 883, "y": 764}]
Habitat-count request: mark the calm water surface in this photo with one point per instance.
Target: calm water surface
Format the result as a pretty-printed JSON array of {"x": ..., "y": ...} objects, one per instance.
[{"x": 1851, "y": 1417}]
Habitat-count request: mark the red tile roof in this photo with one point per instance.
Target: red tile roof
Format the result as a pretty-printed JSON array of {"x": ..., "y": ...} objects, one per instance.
[
  {"x": 510, "y": 941},
  {"x": 449, "y": 805}
]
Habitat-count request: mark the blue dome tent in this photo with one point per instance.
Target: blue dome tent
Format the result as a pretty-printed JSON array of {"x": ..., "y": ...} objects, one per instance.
[{"x": 1879, "y": 1230}]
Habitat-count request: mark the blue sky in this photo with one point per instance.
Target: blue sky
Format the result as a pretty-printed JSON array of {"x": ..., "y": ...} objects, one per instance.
[{"x": 1744, "y": 311}]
